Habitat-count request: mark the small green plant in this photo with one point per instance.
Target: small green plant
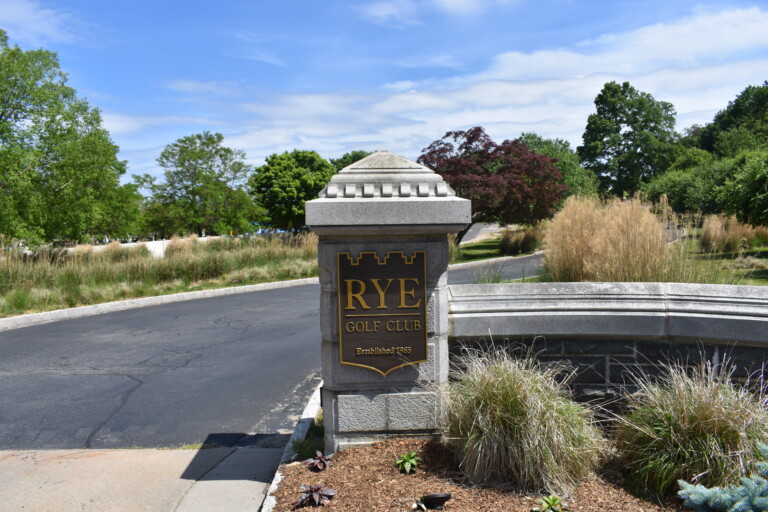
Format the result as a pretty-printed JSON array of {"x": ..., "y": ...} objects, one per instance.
[
  {"x": 408, "y": 462},
  {"x": 551, "y": 503},
  {"x": 489, "y": 275},
  {"x": 750, "y": 496},
  {"x": 319, "y": 462},
  {"x": 315, "y": 496},
  {"x": 307, "y": 447}
]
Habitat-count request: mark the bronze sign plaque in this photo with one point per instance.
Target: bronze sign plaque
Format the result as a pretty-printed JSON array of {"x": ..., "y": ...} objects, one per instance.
[{"x": 383, "y": 310}]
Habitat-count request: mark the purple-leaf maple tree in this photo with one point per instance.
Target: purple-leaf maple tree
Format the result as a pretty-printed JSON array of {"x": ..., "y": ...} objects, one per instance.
[{"x": 507, "y": 182}]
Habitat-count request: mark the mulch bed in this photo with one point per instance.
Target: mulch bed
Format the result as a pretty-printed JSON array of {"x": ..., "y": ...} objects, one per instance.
[{"x": 366, "y": 479}]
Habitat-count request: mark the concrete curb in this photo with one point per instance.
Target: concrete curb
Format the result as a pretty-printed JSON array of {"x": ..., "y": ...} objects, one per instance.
[
  {"x": 300, "y": 432},
  {"x": 110, "y": 307}
]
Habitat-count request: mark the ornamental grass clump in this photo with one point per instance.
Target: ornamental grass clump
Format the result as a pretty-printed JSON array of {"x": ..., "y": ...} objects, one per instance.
[
  {"x": 692, "y": 424},
  {"x": 521, "y": 241},
  {"x": 618, "y": 241},
  {"x": 726, "y": 234},
  {"x": 510, "y": 420}
]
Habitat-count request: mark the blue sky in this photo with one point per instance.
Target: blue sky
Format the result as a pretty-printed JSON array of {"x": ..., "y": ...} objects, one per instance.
[{"x": 335, "y": 76}]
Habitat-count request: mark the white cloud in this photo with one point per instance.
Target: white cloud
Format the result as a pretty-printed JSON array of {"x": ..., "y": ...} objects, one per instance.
[
  {"x": 698, "y": 63},
  {"x": 208, "y": 88},
  {"x": 30, "y": 22},
  {"x": 394, "y": 13},
  {"x": 121, "y": 124},
  {"x": 704, "y": 35},
  {"x": 264, "y": 57},
  {"x": 688, "y": 43},
  {"x": 400, "y": 86},
  {"x": 404, "y": 13},
  {"x": 468, "y": 7}
]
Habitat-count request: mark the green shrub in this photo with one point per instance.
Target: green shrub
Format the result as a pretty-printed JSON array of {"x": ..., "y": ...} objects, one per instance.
[
  {"x": 16, "y": 301},
  {"x": 692, "y": 424},
  {"x": 510, "y": 420}
]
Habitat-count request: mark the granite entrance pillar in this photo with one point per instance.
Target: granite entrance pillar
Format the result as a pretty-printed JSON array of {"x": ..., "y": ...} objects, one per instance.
[{"x": 383, "y": 225}]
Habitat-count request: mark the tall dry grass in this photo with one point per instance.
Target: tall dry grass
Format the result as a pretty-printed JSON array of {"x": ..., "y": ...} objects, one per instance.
[
  {"x": 692, "y": 424},
  {"x": 615, "y": 241},
  {"x": 720, "y": 233},
  {"x": 522, "y": 240},
  {"x": 83, "y": 276},
  {"x": 509, "y": 419}
]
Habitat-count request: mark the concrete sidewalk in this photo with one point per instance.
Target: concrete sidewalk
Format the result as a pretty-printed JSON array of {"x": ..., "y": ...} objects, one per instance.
[
  {"x": 144, "y": 480},
  {"x": 232, "y": 479}
]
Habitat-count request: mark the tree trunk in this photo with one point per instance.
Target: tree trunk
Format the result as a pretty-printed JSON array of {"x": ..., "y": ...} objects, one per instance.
[{"x": 460, "y": 234}]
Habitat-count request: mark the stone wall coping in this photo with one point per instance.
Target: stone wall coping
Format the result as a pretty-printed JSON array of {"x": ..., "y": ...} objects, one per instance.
[{"x": 679, "y": 311}]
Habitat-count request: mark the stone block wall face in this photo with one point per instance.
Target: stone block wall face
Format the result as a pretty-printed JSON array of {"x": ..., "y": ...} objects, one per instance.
[
  {"x": 606, "y": 367},
  {"x": 359, "y": 404}
]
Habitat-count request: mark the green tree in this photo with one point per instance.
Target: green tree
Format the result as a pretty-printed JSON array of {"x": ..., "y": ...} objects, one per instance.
[
  {"x": 203, "y": 191},
  {"x": 629, "y": 138},
  {"x": 749, "y": 111},
  {"x": 579, "y": 181},
  {"x": 694, "y": 188},
  {"x": 689, "y": 157},
  {"x": 746, "y": 194},
  {"x": 285, "y": 182},
  {"x": 58, "y": 165},
  {"x": 732, "y": 142},
  {"x": 348, "y": 159},
  {"x": 124, "y": 219}
]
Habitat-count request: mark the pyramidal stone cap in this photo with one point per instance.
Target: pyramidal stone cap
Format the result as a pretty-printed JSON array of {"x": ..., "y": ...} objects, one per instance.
[{"x": 386, "y": 192}]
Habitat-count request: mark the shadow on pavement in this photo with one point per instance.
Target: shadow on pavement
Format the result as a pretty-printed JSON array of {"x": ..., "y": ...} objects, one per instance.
[{"x": 237, "y": 456}]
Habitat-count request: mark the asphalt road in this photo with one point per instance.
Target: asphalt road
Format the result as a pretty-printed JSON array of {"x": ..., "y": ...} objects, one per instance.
[
  {"x": 231, "y": 370},
  {"x": 497, "y": 271},
  {"x": 209, "y": 369}
]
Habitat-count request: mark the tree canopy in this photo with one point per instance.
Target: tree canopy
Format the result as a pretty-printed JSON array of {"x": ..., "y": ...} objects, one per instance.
[
  {"x": 348, "y": 159},
  {"x": 628, "y": 139},
  {"x": 285, "y": 182},
  {"x": 579, "y": 180},
  {"x": 743, "y": 123},
  {"x": 746, "y": 194},
  {"x": 507, "y": 182},
  {"x": 59, "y": 170},
  {"x": 203, "y": 192}
]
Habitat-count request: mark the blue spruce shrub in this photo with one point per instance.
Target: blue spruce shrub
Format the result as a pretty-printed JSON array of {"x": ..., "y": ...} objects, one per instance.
[{"x": 750, "y": 496}]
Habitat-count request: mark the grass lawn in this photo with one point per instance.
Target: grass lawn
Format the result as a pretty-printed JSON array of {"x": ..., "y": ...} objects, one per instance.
[
  {"x": 483, "y": 250},
  {"x": 748, "y": 267},
  {"x": 84, "y": 276}
]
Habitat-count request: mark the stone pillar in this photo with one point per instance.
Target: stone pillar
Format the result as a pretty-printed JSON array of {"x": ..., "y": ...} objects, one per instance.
[{"x": 383, "y": 222}]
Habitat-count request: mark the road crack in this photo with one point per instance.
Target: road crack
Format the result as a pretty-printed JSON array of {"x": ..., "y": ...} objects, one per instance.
[{"x": 123, "y": 400}]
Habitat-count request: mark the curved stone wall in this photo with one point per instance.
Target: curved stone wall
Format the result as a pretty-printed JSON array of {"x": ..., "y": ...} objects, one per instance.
[{"x": 609, "y": 331}]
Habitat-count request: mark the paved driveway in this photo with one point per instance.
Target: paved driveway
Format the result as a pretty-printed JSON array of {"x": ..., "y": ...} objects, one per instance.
[
  {"x": 230, "y": 370},
  {"x": 167, "y": 375}
]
